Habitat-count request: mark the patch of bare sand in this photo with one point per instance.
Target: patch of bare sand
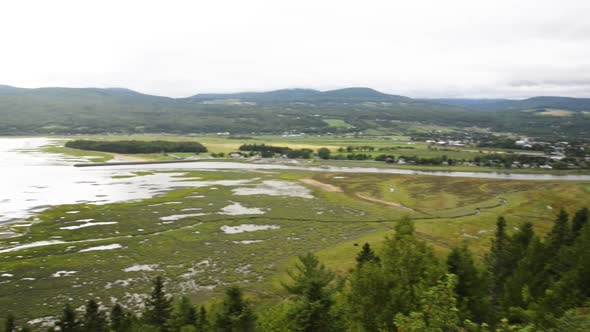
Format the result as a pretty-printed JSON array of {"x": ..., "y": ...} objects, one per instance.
[
  {"x": 393, "y": 204},
  {"x": 125, "y": 157},
  {"x": 323, "y": 186}
]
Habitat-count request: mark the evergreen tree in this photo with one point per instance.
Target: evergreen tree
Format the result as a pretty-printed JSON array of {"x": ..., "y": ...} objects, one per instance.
[
  {"x": 235, "y": 314},
  {"x": 378, "y": 293},
  {"x": 516, "y": 250},
  {"x": 439, "y": 305},
  {"x": 273, "y": 317},
  {"x": 580, "y": 219},
  {"x": 158, "y": 307},
  {"x": 367, "y": 255},
  {"x": 367, "y": 298},
  {"x": 67, "y": 321},
  {"x": 120, "y": 321},
  {"x": 518, "y": 244},
  {"x": 437, "y": 312},
  {"x": 529, "y": 280},
  {"x": 498, "y": 264},
  {"x": 498, "y": 253},
  {"x": 557, "y": 242},
  {"x": 183, "y": 314},
  {"x": 310, "y": 283},
  {"x": 560, "y": 233},
  {"x": 94, "y": 320},
  {"x": 572, "y": 290},
  {"x": 472, "y": 298},
  {"x": 409, "y": 266},
  {"x": 575, "y": 320},
  {"x": 9, "y": 324},
  {"x": 202, "y": 320},
  {"x": 413, "y": 322}
]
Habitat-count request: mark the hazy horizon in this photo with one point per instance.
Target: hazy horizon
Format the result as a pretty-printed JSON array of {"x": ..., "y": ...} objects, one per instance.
[
  {"x": 279, "y": 89},
  {"x": 451, "y": 49}
]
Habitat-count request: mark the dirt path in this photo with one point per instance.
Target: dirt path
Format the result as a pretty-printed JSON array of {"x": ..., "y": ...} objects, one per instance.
[
  {"x": 322, "y": 186},
  {"x": 397, "y": 205}
]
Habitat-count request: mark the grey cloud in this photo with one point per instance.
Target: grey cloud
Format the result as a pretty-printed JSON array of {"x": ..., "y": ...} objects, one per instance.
[
  {"x": 426, "y": 48},
  {"x": 556, "y": 83}
]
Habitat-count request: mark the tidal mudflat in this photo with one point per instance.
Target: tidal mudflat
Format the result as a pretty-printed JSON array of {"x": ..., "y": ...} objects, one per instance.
[{"x": 113, "y": 230}]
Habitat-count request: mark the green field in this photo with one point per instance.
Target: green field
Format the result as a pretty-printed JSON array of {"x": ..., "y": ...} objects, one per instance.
[
  {"x": 337, "y": 212},
  {"x": 396, "y": 145},
  {"x": 338, "y": 123}
]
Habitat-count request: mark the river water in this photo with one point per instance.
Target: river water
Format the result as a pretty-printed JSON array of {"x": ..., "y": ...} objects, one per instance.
[{"x": 32, "y": 180}]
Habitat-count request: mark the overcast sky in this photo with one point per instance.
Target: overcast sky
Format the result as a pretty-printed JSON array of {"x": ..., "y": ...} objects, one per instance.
[{"x": 419, "y": 48}]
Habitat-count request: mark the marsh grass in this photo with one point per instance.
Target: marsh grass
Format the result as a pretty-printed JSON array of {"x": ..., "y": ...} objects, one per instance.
[{"x": 200, "y": 259}]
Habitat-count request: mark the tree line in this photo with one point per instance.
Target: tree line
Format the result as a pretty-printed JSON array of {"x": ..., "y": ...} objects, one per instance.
[
  {"x": 352, "y": 153},
  {"x": 269, "y": 151},
  {"x": 368, "y": 148},
  {"x": 131, "y": 146},
  {"x": 524, "y": 283}
]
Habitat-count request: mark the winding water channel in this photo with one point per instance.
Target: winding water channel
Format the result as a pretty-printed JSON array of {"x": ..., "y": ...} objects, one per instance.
[{"x": 33, "y": 180}]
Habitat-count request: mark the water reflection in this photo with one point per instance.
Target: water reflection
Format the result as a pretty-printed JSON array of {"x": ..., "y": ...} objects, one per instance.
[{"x": 33, "y": 180}]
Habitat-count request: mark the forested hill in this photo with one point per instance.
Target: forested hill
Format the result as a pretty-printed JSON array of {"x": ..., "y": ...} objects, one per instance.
[
  {"x": 353, "y": 95},
  {"x": 119, "y": 110},
  {"x": 565, "y": 103}
]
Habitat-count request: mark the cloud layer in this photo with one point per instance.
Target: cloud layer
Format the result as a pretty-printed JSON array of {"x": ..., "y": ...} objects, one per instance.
[{"x": 453, "y": 48}]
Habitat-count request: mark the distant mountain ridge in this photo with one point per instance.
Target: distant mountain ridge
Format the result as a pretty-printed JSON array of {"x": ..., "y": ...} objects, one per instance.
[
  {"x": 283, "y": 93},
  {"x": 357, "y": 94},
  {"x": 567, "y": 103},
  {"x": 121, "y": 110}
]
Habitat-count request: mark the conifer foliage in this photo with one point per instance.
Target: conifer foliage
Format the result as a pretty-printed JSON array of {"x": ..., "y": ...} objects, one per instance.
[{"x": 158, "y": 307}]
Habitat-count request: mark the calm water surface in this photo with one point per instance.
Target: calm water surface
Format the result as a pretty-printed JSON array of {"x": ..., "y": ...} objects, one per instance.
[{"x": 33, "y": 180}]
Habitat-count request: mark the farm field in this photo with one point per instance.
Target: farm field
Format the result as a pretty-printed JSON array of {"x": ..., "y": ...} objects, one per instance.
[
  {"x": 337, "y": 123},
  {"x": 396, "y": 145},
  {"x": 247, "y": 227}
]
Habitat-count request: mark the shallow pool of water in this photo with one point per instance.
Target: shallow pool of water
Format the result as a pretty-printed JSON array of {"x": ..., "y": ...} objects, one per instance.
[{"x": 33, "y": 180}]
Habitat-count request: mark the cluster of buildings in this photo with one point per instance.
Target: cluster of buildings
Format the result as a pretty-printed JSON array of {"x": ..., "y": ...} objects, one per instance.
[
  {"x": 446, "y": 143},
  {"x": 526, "y": 143}
]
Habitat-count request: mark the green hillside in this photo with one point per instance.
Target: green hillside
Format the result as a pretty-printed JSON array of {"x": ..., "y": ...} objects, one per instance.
[{"x": 118, "y": 110}]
